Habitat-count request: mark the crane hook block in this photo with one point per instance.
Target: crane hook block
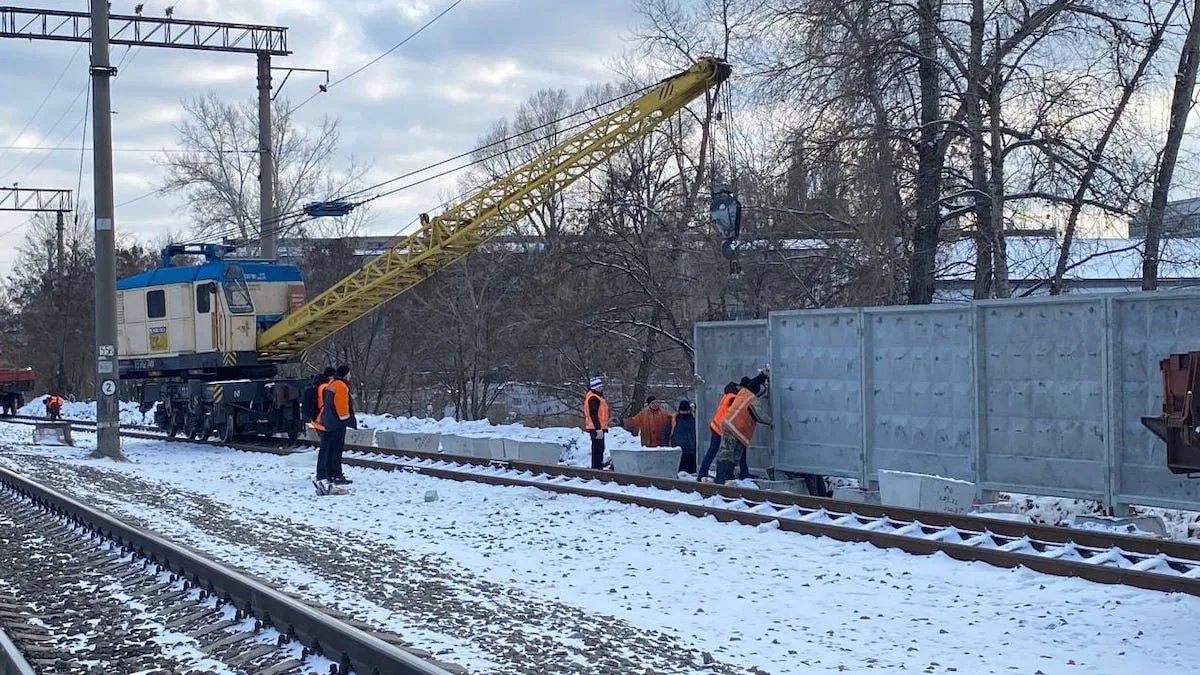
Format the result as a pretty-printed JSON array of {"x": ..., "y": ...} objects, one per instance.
[
  {"x": 335, "y": 208},
  {"x": 726, "y": 212}
]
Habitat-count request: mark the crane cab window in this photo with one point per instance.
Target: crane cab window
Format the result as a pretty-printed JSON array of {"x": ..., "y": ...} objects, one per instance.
[
  {"x": 156, "y": 304},
  {"x": 237, "y": 293},
  {"x": 203, "y": 298}
]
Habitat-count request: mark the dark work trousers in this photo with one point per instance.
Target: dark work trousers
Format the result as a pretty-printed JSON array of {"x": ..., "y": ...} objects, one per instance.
[
  {"x": 597, "y": 450},
  {"x": 714, "y": 444},
  {"x": 329, "y": 456},
  {"x": 335, "y": 461},
  {"x": 687, "y": 460}
]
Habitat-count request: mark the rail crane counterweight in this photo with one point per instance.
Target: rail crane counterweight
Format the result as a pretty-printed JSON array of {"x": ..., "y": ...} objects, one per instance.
[{"x": 204, "y": 341}]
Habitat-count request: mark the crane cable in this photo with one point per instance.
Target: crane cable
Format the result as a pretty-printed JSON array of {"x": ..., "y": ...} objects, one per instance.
[{"x": 287, "y": 220}]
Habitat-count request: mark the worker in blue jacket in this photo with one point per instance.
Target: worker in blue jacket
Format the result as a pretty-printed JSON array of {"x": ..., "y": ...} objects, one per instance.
[{"x": 683, "y": 436}]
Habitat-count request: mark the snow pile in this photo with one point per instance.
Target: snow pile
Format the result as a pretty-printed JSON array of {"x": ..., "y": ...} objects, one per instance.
[{"x": 85, "y": 410}]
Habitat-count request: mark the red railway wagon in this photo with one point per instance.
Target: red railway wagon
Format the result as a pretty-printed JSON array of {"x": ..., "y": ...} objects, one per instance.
[{"x": 14, "y": 384}]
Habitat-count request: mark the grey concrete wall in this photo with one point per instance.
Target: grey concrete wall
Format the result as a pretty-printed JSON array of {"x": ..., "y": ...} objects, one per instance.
[
  {"x": 1042, "y": 396},
  {"x": 726, "y": 351}
]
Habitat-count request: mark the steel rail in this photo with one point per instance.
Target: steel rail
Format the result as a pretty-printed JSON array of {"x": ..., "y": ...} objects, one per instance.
[
  {"x": 12, "y": 661},
  {"x": 353, "y": 648},
  {"x": 913, "y": 530}
]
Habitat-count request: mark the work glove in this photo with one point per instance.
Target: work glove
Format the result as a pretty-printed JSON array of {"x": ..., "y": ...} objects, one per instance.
[{"x": 599, "y": 434}]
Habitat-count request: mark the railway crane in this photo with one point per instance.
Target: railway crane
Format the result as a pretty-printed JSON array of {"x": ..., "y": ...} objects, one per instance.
[{"x": 205, "y": 341}]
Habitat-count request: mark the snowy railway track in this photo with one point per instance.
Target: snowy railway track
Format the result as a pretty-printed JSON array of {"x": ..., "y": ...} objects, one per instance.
[
  {"x": 1142, "y": 562},
  {"x": 81, "y": 590}
]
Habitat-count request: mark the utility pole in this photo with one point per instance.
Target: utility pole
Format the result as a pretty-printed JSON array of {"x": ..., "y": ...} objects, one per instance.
[
  {"x": 108, "y": 419},
  {"x": 58, "y": 244},
  {"x": 267, "y": 227}
]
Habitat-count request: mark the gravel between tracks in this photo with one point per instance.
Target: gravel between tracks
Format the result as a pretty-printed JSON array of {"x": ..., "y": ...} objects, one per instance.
[
  {"x": 77, "y": 605},
  {"x": 420, "y": 592}
]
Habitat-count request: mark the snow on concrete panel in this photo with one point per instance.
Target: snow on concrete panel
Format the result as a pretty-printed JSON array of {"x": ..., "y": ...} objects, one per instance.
[
  {"x": 1149, "y": 327},
  {"x": 920, "y": 415},
  {"x": 1043, "y": 396},
  {"x": 816, "y": 391},
  {"x": 660, "y": 462}
]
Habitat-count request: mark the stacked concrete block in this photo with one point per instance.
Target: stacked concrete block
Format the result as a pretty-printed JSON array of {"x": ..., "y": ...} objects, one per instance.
[
  {"x": 360, "y": 437},
  {"x": 922, "y": 491},
  {"x": 541, "y": 452},
  {"x": 658, "y": 462},
  {"x": 403, "y": 440}
]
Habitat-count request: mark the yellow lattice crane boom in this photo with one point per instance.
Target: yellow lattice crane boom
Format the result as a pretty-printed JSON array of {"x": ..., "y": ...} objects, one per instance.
[{"x": 465, "y": 226}]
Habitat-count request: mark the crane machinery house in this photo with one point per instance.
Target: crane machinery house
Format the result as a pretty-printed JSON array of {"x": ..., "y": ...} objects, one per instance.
[{"x": 189, "y": 333}]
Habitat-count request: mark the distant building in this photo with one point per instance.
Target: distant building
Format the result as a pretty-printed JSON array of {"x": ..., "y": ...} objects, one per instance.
[
  {"x": 1180, "y": 219},
  {"x": 1094, "y": 266}
]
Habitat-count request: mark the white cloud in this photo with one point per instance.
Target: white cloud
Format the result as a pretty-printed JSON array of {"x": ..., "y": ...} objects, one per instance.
[{"x": 429, "y": 100}]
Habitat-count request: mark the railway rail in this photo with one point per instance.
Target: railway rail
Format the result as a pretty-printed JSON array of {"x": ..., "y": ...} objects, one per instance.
[
  {"x": 81, "y": 589},
  {"x": 1144, "y": 562}
]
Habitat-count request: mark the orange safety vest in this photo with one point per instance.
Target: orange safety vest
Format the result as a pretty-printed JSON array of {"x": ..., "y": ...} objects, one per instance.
[
  {"x": 738, "y": 420},
  {"x": 602, "y": 412},
  {"x": 720, "y": 413},
  {"x": 316, "y": 423}
]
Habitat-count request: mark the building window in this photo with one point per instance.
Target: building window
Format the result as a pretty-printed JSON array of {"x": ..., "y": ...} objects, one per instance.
[
  {"x": 203, "y": 299},
  {"x": 156, "y": 304}
]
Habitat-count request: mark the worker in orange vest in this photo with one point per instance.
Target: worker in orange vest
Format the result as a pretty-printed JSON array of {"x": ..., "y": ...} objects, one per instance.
[
  {"x": 652, "y": 423},
  {"x": 337, "y": 415},
  {"x": 54, "y": 404},
  {"x": 737, "y": 429},
  {"x": 596, "y": 419},
  {"x": 714, "y": 427}
]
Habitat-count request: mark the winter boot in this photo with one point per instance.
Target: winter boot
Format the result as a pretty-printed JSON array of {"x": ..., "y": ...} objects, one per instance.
[{"x": 724, "y": 472}]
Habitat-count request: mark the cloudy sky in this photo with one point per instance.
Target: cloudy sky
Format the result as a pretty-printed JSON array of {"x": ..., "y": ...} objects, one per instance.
[{"x": 430, "y": 99}]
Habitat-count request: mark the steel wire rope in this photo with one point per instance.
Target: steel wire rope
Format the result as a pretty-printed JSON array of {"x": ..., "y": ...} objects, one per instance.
[
  {"x": 378, "y": 58},
  {"x": 345, "y": 196}
]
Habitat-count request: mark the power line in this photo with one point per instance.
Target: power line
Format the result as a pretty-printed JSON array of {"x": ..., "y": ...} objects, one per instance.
[
  {"x": 74, "y": 148},
  {"x": 82, "y": 143},
  {"x": 139, "y": 198},
  {"x": 53, "y": 88},
  {"x": 66, "y": 111},
  {"x": 235, "y": 231},
  {"x": 377, "y": 58}
]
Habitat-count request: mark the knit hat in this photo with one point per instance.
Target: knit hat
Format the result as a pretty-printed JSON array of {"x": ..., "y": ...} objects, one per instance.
[
  {"x": 596, "y": 382},
  {"x": 651, "y": 399},
  {"x": 757, "y": 383},
  {"x": 329, "y": 371},
  {"x": 343, "y": 370},
  {"x": 685, "y": 406}
]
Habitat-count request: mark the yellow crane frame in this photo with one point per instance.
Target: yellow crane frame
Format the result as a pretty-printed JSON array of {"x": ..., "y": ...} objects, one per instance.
[{"x": 465, "y": 226}]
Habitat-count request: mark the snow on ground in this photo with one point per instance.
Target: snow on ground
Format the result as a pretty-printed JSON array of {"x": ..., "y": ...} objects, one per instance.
[
  {"x": 517, "y": 580},
  {"x": 85, "y": 410}
]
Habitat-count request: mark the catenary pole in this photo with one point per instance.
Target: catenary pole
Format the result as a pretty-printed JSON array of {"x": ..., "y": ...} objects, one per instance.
[
  {"x": 108, "y": 432},
  {"x": 266, "y": 162}
]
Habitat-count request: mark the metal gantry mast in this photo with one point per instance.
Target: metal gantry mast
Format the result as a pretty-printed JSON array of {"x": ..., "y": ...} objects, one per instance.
[{"x": 102, "y": 29}]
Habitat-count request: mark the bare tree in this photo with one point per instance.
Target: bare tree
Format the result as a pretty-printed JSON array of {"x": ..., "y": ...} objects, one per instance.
[
  {"x": 218, "y": 170},
  {"x": 1181, "y": 106}
]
